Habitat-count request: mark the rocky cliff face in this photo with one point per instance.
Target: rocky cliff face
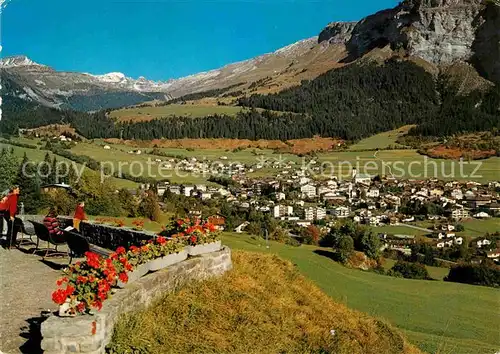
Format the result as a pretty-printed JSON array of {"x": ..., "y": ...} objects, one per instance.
[
  {"x": 486, "y": 46},
  {"x": 438, "y": 31},
  {"x": 337, "y": 32}
]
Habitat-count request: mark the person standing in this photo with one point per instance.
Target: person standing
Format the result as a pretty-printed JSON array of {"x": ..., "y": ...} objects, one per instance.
[
  {"x": 79, "y": 215},
  {"x": 3, "y": 211},
  {"x": 14, "y": 224}
]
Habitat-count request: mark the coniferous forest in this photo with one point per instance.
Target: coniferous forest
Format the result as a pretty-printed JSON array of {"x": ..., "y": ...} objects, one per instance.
[{"x": 352, "y": 102}]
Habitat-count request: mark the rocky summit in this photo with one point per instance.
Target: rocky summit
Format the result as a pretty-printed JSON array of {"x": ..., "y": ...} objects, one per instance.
[{"x": 438, "y": 31}]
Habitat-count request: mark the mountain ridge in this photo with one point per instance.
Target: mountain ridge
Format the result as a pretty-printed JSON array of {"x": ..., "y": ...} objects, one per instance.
[{"x": 437, "y": 32}]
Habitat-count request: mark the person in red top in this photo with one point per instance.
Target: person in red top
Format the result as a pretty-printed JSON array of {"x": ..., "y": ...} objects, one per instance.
[
  {"x": 79, "y": 215},
  {"x": 51, "y": 222},
  {"x": 4, "y": 213},
  {"x": 10, "y": 212}
]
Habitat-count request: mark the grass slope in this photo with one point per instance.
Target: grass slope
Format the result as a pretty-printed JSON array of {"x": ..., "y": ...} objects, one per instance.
[
  {"x": 437, "y": 316},
  {"x": 382, "y": 140},
  {"x": 408, "y": 164},
  {"x": 405, "y": 163},
  {"x": 186, "y": 110},
  {"x": 263, "y": 306}
]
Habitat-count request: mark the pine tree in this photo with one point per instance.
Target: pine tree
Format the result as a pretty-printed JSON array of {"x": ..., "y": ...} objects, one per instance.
[
  {"x": 8, "y": 169},
  {"x": 46, "y": 175},
  {"x": 28, "y": 181}
]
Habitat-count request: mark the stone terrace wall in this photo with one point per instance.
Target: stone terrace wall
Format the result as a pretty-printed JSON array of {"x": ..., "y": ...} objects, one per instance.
[{"x": 91, "y": 334}]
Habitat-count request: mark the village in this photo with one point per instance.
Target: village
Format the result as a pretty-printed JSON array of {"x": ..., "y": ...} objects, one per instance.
[{"x": 296, "y": 198}]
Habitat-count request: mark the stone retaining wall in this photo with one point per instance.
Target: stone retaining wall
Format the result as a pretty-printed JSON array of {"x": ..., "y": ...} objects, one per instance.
[{"x": 91, "y": 334}]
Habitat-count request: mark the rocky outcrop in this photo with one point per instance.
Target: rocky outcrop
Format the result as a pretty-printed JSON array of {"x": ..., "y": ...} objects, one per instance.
[
  {"x": 337, "y": 32},
  {"x": 438, "y": 31},
  {"x": 486, "y": 46}
]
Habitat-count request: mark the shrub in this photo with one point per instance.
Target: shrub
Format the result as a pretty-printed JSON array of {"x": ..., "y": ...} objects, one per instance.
[
  {"x": 477, "y": 274},
  {"x": 409, "y": 270},
  {"x": 311, "y": 235}
]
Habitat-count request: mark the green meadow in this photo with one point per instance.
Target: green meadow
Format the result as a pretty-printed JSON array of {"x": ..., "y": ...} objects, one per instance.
[
  {"x": 437, "y": 316},
  {"x": 408, "y": 164},
  {"x": 185, "y": 110},
  {"x": 382, "y": 140}
]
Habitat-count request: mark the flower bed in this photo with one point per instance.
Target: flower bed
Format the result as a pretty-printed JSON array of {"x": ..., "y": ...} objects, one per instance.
[{"x": 88, "y": 283}]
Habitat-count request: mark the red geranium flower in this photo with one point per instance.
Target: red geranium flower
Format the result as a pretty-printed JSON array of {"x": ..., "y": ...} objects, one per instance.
[
  {"x": 59, "y": 296},
  {"x": 81, "y": 307},
  {"x": 161, "y": 240},
  {"x": 59, "y": 282},
  {"x": 120, "y": 250},
  {"x": 92, "y": 259},
  {"x": 193, "y": 239},
  {"x": 97, "y": 304},
  {"x": 123, "y": 277},
  {"x": 70, "y": 290}
]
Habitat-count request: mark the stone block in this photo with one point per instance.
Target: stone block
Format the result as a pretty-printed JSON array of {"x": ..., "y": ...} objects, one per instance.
[{"x": 51, "y": 345}]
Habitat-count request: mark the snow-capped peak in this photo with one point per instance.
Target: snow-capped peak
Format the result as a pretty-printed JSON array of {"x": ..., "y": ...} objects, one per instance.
[
  {"x": 18, "y": 60},
  {"x": 111, "y": 77}
]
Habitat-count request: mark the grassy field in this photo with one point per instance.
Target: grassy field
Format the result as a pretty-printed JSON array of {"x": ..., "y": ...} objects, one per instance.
[
  {"x": 404, "y": 164},
  {"x": 407, "y": 164},
  {"x": 187, "y": 110},
  {"x": 39, "y": 155},
  {"x": 398, "y": 230},
  {"x": 435, "y": 315},
  {"x": 382, "y": 140},
  {"x": 246, "y": 156},
  {"x": 472, "y": 227},
  {"x": 138, "y": 165},
  {"x": 478, "y": 228}
]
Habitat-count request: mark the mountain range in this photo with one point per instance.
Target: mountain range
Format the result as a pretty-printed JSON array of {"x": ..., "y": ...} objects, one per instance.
[{"x": 432, "y": 33}]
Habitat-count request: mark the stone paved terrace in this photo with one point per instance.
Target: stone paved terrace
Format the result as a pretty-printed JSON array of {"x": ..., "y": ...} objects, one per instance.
[{"x": 26, "y": 286}]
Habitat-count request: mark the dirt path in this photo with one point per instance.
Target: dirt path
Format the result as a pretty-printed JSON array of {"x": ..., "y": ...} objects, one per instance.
[{"x": 26, "y": 285}]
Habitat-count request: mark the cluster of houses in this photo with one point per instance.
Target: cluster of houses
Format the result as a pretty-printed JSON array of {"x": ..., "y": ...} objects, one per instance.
[{"x": 298, "y": 198}]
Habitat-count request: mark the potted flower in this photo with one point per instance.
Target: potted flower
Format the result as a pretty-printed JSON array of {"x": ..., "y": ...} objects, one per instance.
[
  {"x": 138, "y": 258},
  {"x": 166, "y": 252},
  {"x": 200, "y": 237},
  {"x": 88, "y": 283},
  {"x": 138, "y": 225},
  {"x": 118, "y": 223}
]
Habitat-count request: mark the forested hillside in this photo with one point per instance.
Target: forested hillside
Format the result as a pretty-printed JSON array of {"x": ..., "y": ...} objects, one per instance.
[
  {"x": 479, "y": 111},
  {"x": 359, "y": 100},
  {"x": 351, "y": 103}
]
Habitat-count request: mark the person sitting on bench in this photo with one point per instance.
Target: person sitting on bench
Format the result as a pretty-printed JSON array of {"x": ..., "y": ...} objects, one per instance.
[{"x": 51, "y": 222}]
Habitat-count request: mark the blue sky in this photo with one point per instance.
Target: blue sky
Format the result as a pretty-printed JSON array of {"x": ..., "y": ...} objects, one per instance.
[{"x": 162, "y": 39}]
